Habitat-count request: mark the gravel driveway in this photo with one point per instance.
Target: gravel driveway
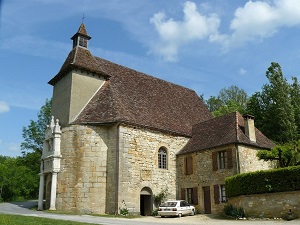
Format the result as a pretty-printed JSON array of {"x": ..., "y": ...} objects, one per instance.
[{"x": 22, "y": 208}]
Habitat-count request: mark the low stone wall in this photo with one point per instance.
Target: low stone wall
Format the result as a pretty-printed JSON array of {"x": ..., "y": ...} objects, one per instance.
[{"x": 269, "y": 205}]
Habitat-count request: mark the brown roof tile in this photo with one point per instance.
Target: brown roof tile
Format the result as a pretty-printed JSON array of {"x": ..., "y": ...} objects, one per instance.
[
  {"x": 223, "y": 130},
  {"x": 136, "y": 98},
  {"x": 82, "y": 31},
  {"x": 80, "y": 58}
]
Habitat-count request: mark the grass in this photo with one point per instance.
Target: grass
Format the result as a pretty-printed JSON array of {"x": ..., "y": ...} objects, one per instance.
[{"x": 6, "y": 219}]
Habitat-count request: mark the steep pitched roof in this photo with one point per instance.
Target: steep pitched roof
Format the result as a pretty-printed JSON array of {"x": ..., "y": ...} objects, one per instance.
[
  {"x": 80, "y": 58},
  {"x": 135, "y": 98},
  {"x": 82, "y": 31},
  {"x": 223, "y": 130}
]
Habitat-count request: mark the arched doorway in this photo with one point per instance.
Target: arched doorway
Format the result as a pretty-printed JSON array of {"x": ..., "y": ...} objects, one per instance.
[{"x": 146, "y": 203}]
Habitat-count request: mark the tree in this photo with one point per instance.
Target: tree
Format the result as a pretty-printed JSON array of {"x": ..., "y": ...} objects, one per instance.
[
  {"x": 295, "y": 100},
  {"x": 17, "y": 181},
  {"x": 234, "y": 94},
  {"x": 34, "y": 134},
  {"x": 228, "y": 100},
  {"x": 273, "y": 108},
  {"x": 286, "y": 154}
]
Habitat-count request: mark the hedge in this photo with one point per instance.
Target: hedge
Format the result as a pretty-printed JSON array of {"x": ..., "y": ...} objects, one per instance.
[{"x": 264, "y": 181}]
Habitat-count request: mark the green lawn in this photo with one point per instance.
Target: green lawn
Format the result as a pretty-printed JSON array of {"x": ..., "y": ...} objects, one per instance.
[{"x": 6, "y": 219}]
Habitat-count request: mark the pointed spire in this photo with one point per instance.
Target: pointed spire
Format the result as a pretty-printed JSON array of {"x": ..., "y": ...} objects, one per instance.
[{"x": 81, "y": 37}]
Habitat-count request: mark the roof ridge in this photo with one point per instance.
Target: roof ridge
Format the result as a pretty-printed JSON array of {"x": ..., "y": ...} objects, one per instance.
[
  {"x": 75, "y": 54},
  {"x": 237, "y": 125}
]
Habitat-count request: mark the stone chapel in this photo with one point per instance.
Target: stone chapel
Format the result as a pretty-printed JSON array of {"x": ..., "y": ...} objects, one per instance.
[{"x": 118, "y": 137}]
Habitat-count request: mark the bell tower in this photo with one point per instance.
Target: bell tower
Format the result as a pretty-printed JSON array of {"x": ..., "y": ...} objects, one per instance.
[
  {"x": 78, "y": 80},
  {"x": 81, "y": 38}
]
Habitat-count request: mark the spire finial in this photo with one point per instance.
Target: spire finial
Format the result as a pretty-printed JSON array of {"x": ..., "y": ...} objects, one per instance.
[{"x": 83, "y": 17}]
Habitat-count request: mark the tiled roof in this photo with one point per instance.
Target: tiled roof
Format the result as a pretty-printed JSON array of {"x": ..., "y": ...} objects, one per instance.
[
  {"x": 135, "y": 98},
  {"x": 223, "y": 130},
  {"x": 82, "y": 31},
  {"x": 80, "y": 58}
]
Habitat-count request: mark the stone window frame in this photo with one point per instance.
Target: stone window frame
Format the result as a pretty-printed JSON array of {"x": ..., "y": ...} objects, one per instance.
[{"x": 162, "y": 158}]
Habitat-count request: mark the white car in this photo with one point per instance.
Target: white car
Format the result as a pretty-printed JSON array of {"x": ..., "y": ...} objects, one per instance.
[{"x": 176, "y": 208}]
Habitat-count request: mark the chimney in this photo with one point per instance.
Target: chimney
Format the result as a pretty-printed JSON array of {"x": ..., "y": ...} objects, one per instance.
[{"x": 249, "y": 127}]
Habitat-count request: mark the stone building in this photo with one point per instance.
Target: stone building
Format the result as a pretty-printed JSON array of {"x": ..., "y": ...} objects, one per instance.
[
  {"x": 219, "y": 147},
  {"x": 123, "y": 136}
]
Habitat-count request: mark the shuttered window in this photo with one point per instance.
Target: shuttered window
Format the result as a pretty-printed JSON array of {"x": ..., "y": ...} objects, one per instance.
[
  {"x": 191, "y": 195},
  {"x": 222, "y": 160},
  {"x": 216, "y": 194},
  {"x": 195, "y": 196},
  {"x": 219, "y": 193},
  {"x": 188, "y": 165}
]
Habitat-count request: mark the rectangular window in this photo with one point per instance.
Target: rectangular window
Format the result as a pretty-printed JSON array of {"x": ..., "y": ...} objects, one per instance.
[
  {"x": 191, "y": 195},
  {"x": 219, "y": 193},
  {"x": 222, "y": 193},
  {"x": 222, "y": 160},
  {"x": 188, "y": 165}
]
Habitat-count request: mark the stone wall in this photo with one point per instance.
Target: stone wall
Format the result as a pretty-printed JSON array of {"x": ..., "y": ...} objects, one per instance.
[
  {"x": 269, "y": 205},
  {"x": 82, "y": 181},
  {"x": 139, "y": 164},
  {"x": 105, "y": 168},
  {"x": 204, "y": 175},
  {"x": 248, "y": 161}
]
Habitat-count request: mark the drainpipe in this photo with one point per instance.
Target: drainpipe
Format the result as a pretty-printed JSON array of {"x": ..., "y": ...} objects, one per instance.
[
  {"x": 237, "y": 156},
  {"x": 117, "y": 169}
]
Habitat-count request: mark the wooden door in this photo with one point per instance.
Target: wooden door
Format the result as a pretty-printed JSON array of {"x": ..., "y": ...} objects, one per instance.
[{"x": 207, "y": 201}]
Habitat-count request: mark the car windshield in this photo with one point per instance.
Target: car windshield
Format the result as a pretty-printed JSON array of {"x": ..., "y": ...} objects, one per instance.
[{"x": 169, "y": 204}]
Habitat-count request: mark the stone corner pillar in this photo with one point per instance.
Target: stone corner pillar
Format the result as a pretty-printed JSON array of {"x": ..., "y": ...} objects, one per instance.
[
  {"x": 53, "y": 191},
  {"x": 41, "y": 192}
]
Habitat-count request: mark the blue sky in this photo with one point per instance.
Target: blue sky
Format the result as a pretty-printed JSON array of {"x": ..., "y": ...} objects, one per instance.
[{"x": 202, "y": 45}]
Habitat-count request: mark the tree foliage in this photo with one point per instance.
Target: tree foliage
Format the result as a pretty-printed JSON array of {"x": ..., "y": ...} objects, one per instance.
[
  {"x": 228, "y": 100},
  {"x": 19, "y": 177},
  {"x": 34, "y": 134},
  {"x": 273, "y": 108},
  {"x": 286, "y": 154},
  {"x": 17, "y": 180}
]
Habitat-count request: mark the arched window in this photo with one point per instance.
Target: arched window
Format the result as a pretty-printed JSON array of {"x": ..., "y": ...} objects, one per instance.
[{"x": 162, "y": 158}]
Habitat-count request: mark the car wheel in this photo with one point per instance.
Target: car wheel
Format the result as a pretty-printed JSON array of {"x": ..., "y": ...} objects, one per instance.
[
  {"x": 179, "y": 215},
  {"x": 192, "y": 213}
]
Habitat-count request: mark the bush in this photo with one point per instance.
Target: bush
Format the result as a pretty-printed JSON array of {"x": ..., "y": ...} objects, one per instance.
[
  {"x": 234, "y": 212},
  {"x": 265, "y": 181}
]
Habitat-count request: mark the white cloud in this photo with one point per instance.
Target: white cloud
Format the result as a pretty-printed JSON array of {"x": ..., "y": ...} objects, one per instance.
[
  {"x": 242, "y": 71},
  {"x": 258, "y": 20},
  {"x": 173, "y": 34},
  {"x": 253, "y": 22},
  {"x": 4, "y": 107}
]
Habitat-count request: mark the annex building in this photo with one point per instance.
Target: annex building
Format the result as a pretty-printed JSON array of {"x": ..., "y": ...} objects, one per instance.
[{"x": 119, "y": 137}]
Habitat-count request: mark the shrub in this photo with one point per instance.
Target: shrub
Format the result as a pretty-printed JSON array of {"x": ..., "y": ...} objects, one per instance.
[
  {"x": 265, "y": 181},
  {"x": 161, "y": 197},
  {"x": 234, "y": 212}
]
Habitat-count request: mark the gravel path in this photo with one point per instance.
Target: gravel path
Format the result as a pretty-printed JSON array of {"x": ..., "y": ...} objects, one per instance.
[{"x": 23, "y": 208}]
